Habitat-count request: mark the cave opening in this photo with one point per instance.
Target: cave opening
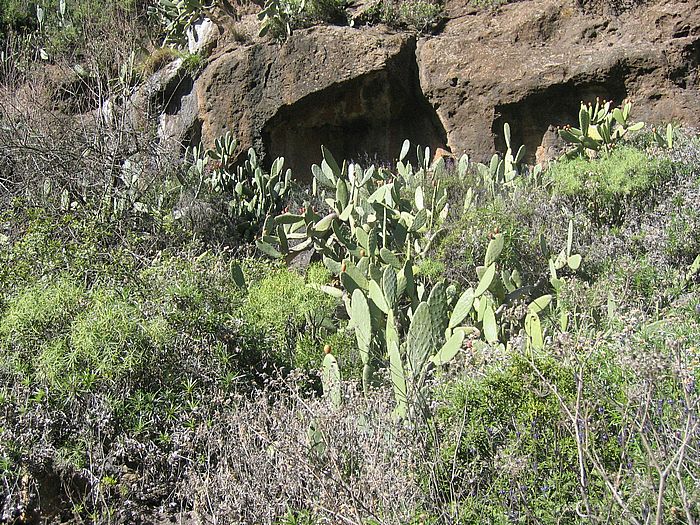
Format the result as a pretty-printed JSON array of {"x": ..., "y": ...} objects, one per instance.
[
  {"x": 559, "y": 105},
  {"x": 365, "y": 120}
]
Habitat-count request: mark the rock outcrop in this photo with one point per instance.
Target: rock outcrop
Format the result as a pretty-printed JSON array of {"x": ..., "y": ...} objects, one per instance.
[
  {"x": 354, "y": 90},
  {"x": 533, "y": 62},
  {"x": 361, "y": 91}
]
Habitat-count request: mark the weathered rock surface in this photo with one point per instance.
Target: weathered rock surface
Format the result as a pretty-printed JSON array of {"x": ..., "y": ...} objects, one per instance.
[
  {"x": 354, "y": 90},
  {"x": 533, "y": 62},
  {"x": 530, "y": 63}
]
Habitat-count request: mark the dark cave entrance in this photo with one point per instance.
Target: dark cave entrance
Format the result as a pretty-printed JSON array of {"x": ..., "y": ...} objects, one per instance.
[
  {"x": 365, "y": 119},
  {"x": 558, "y": 105}
]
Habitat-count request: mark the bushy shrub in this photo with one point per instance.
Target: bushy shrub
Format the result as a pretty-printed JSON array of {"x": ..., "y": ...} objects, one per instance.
[
  {"x": 35, "y": 318},
  {"x": 285, "y": 308},
  {"x": 196, "y": 295},
  {"x": 417, "y": 15},
  {"x": 508, "y": 445},
  {"x": 464, "y": 246},
  {"x": 17, "y": 15},
  {"x": 112, "y": 339},
  {"x": 542, "y": 438},
  {"x": 604, "y": 187}
]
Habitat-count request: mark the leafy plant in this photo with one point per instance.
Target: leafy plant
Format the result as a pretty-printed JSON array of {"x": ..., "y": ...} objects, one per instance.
[
  {"x": 177, "y": 16},
  {"x": 279, "y": 18},
  {"x": 664, "y": 137}
]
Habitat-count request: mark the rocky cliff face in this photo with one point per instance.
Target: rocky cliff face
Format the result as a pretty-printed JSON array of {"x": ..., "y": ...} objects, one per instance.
[
  {"x": 355, "y": 91},
  {"x": 361, "y": 91}
]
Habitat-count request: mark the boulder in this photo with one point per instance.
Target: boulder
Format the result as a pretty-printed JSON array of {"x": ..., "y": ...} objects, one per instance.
[
  {"x": 202, "y": 36},
  {"x": 354, "y": 90}
]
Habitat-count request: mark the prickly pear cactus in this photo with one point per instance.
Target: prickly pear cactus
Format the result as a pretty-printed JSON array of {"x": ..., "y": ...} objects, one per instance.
[
  {"x": 420, "y": 339},
  {"x": 396, "y": 368},
  {"x": 330, "y": 378}
]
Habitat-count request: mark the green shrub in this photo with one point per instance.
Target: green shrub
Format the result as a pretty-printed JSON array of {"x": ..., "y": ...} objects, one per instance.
[
  {"x": 624, "y": 284},
  {"x": 283, "y": 306},
  {"x": 39, "y": 313},
  {"x": 108, "y": 342},
  {"x": 431, "y": 270},
  {"x": 683, "y": 233},
  {"x": 508, "y": 436},
  {"x": 464, "y": 246},
  {"x": 111, "y": 337},
  {"x": 17, "y": 15},
  {"x": 417, "y": 15},
  {"x": 317, "y": 273},
  {"x": 606, "y": 185},
  {"x": 507, "y": 444},
  {"x": 193, "y": 63},
  {"x": 81, "y": 248},
  {"x": 196, "y": 295}
]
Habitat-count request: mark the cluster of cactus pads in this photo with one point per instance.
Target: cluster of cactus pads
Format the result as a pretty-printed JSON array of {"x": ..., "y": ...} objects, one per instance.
[
  {"x": 252, "y": 192},
  {"x": 502, "y": 171},
  {"x": 370, "y": 217},
  {"x": 401, "y": 326},
  {"x": 372, "y": 236},
  {"x": 599, "y": 128}
]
